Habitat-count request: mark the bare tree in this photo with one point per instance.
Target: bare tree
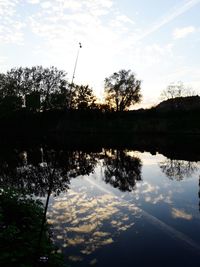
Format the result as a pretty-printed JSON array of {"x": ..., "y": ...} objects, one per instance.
[{"x": 177, "y": 89}]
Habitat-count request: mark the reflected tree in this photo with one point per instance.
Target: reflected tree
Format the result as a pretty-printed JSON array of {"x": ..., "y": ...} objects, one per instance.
[
  {"x": 178, "y": 169},
  {"x": 42, "y": 172},
  {"x": 122, "y": 170},
  {"x": 36, "y": 170}
]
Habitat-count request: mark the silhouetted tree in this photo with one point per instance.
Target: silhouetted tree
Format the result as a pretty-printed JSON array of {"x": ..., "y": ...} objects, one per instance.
[
  {"x": 176, "y": 90},
  {"x": 83, "y": 97},
  {"x": 121, "y": 170},
  {"x": 2, "y": 86},
  {"x": 46, "y": 81},
  {"x": 53, "y": 82},
  {"x": 122, "y": 90}
]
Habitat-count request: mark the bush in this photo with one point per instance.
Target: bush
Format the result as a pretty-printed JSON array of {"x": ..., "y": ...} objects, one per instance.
[{"x": 21, "y": 220}]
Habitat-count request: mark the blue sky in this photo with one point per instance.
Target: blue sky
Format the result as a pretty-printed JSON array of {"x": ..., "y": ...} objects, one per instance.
[{"x": 158, "y": 40}]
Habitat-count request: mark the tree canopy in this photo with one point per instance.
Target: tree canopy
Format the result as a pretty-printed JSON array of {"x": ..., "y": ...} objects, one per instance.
[
  {"x": 122, "y": 90},
  {"x": 47, "y": 82},
  {"x": 83, "y": 97}
]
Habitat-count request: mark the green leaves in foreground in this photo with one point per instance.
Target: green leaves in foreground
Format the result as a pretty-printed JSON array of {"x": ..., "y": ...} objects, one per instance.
[{"x": 20, "y": 226}]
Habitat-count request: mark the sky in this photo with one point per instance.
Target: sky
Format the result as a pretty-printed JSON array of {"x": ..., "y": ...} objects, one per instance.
[{"x": 158, "y": 40}]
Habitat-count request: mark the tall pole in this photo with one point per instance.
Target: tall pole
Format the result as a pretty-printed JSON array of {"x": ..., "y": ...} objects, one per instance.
[{"x": 73, "y": 76}]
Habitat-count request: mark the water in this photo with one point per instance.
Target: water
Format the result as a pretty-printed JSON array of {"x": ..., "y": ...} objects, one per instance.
[
  {"x": 113, "y": 207},
  {"x": 133, "y": 209}
]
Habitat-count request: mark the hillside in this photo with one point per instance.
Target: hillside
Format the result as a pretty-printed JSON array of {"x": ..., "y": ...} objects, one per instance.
[{"x": 180, "y": 104}]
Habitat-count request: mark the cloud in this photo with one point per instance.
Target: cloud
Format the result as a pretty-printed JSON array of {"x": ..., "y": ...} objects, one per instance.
[
  {"x": 46, "y": 4},
  {"x": 179, "y": 33},
  {"x": 33, "y": 1},
  {"x": 11, "y": 27},
  {"x": 170, "y": 17},
  {"x": 51, "y": 30}
]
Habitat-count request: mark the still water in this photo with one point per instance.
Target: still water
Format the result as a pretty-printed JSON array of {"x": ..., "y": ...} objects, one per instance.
[{"x": 127, "y": 208}]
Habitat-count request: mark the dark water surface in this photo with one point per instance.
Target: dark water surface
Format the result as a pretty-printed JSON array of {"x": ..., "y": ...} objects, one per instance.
[
  {"x": 113, "y": 207},
  {"x": 125, "y": 215}
]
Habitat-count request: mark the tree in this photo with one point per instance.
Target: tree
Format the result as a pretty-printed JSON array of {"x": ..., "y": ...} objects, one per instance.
[
  {"x": 45, "y": 81},
  {"x": 177, "y": 89},
  {"x": 122, "y": 90},
  {"x": 53, "y": 82},
  {"x": 83, "y": 97}
]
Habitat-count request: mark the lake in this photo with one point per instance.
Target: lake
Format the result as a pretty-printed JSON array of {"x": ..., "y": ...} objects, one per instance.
[
  {"x": 133, "y": 209},
  {"x": 115, "y": 207}
]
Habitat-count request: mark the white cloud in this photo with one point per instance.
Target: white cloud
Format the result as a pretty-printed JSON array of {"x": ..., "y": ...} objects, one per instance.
[
  {"x": 10, "y": 24},
  {"x": 111, "y": 39},
  {"x": 33, "y": 1},
  {"x": 63, "y": 24},
  {"x": 125, "y": 19},
  {"x": 183, "y": 32},
  {"x": 46, "y": 4},
  {"x": 170, "y": 17}
]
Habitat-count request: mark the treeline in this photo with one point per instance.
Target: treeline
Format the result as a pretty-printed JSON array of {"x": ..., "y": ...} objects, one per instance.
[
  {"x": 39, "y": 101},
  {"x": 39, "y": 89}
]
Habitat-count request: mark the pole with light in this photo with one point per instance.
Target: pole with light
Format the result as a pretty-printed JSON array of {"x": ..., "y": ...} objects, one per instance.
[
  {"x": 80, "y": 46},
  {"x": 73, "y": 76}
]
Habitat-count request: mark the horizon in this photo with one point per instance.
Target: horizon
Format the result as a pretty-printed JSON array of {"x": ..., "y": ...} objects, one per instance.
[{"x": 158, "y": 42}]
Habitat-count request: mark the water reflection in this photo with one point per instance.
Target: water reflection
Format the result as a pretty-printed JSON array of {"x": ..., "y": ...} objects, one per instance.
[
  {"x": 95, "y": 198},
  {"x": 34, "y": 172},
  {"x": 91, "y": 222},
  {"x": 121, "y": 170},
  {"x": 178, "y": 169},
  {"x": 31, "y": 170}
]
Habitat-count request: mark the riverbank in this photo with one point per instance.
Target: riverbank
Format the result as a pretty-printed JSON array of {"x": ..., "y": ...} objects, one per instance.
[{"x": 23, "y": 123}]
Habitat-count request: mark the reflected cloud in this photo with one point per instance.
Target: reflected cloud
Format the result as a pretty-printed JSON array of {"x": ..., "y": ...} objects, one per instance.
[
  {"x": 75, "y": 241},
  {"x": 85, "y": 229},
  {"x": 74, "y": 258},
  {"x": 89, "y": 223},
  {"x": 181, "y": 214},
  {"x": 152, "y": 194},
  {"x": 93, "y": 262}
]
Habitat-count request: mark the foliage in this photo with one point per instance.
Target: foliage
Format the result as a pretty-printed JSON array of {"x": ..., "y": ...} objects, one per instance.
[
  {"x": 122, "y": 90},
  {"x": 83, "y": 97},
  {"x": 10, "y": 103},
  {"x": 21, "y": 219},
  {"x": 45, "y": 81}
]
